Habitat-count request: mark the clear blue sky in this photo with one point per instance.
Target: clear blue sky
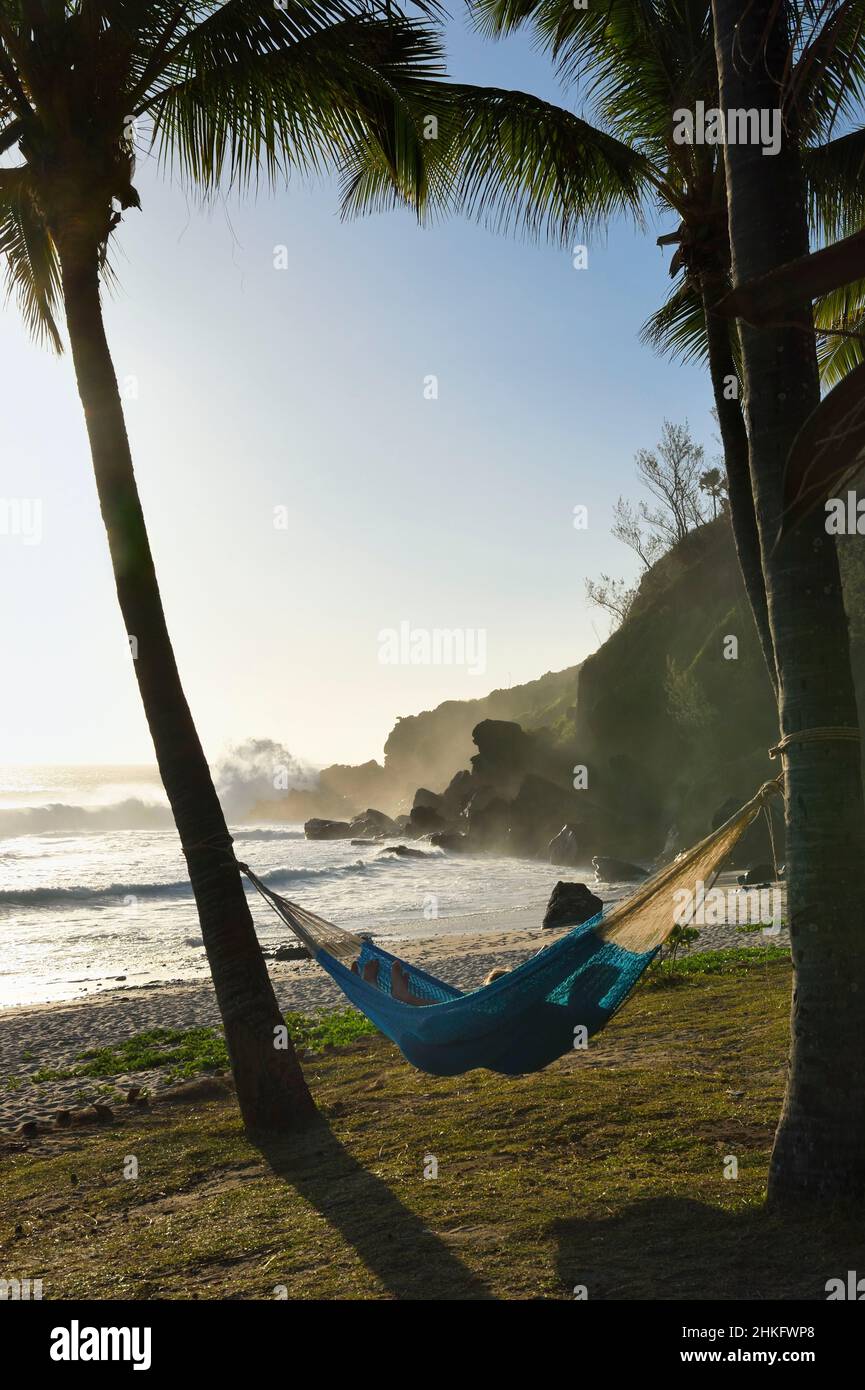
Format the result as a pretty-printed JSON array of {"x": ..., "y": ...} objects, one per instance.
[{"x": 260, "y": 388}]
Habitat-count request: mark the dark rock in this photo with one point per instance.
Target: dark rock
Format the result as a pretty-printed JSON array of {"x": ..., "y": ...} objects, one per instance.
[
  {"x": 373, "y": 824},
  {"x": 316, "y": 829},
  {"x": 758, "y": 876},
  {"x": 62, "y": 1119},
  {"x": 538, "y": 811},
  {"x": 489, "y": 823},
  {"x": 132, "y": 1095},
  {"x": 425, "y": 819},
  {"x": 377, "y": 841},
  {"x": 616, "y": 870},
  {"x": 405, "y": 852},
  {"x": 289, "y": 951},
  {"x": 458, "y": 794},
  {"x": 424, "y": 797},
  {"x": 566, "y": 848},
  {"x": 504, "y": 753},
  {"x": 28, "y": 1127},
  {"x": 452, "y": 841},
  {"x": 570, "y": 904}
]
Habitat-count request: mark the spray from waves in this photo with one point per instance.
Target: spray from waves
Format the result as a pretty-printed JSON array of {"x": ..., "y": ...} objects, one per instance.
[
  {"x": 244, "y": 833},
  {"x": 258, "y": 772},
  {"x": 180, "y": 888},
  {"x": 60, "y": 819}
]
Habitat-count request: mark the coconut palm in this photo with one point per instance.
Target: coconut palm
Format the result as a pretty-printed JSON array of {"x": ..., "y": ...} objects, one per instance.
[
  {"x": 226, "y": 92},
  {"x": 819, "y": 1150},
  {"x": 640, "y": 61},
  {"x": 517, "y": 161}
]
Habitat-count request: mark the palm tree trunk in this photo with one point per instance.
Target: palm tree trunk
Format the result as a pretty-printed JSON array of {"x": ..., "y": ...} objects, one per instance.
[
  {"x": 819, "y": 1150},
  {"x": 734, "y": 438},
  {"x": 271, "y": 1089}
]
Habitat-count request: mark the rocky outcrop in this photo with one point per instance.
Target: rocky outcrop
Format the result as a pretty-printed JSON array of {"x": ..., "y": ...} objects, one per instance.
[
  {"x": 451, "y": 841},
  {"x": 317, "y": 829},
  {"x": 570, "y": 904},
  {"x": 608, "y": 870},
  {"x": 424, "y": 820},
  {"x": 373, "y": 825},
  {"x": 566, "y": 849}
]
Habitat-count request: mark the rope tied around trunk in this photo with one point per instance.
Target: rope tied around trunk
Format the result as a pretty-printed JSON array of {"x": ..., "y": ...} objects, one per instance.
[{"x": 822, "y": 735}]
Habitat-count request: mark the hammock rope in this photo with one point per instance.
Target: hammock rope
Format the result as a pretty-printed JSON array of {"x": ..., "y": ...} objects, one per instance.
[
  {"x": 532, "y": 1014},
  {"x": 826, "y": 734}
]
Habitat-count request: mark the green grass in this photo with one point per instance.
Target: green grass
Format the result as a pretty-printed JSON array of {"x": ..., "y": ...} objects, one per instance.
[
  {"x": 736, "y": 960},
  {"x": 605, "y": 1170},
  {"x": 189, "y": 1052}
]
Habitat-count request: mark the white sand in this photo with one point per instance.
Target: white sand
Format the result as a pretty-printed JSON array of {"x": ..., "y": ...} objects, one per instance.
[{"x": 52, "y": 1036}]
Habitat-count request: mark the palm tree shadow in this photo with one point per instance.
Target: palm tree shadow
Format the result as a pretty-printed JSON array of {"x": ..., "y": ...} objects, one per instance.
[
  {"x": 409, "y": 1259},
  {"x": 679, "y": 1249}
]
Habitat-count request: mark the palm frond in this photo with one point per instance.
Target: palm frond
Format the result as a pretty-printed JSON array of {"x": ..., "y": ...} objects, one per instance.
[
  {"x": 678, "y": 329},
  {"x": 32, "y": 269},
  {"x": 836, "y": 183},
  {"x": 511, "y": 160},
  {"x": 298, "y": 108},
  {"x": 840, "y": 352}
]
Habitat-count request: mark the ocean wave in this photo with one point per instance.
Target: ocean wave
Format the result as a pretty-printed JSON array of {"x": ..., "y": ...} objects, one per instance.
[
  {"x": 58, "y": 817},
  {"x": 180, "y": 888},
  {"x": 241, "y": 833}
]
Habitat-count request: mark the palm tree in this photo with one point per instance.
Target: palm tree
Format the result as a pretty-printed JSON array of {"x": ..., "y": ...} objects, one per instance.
[
  {"x": 515, "y": 160},
  {"x": 819, "y": 1150},
  {"x": 522, "y": 159},
  {"x": 714, "y": 484},
  {"x": 239, "y": 90}
]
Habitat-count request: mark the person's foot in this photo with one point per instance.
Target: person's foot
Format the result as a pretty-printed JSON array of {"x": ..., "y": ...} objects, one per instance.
[
  {"x": 370, "y": 972},
  {"x": 399, "y": 984}
]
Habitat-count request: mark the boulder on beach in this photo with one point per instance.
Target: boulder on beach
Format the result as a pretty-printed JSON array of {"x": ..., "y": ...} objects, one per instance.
[
  {"x": 288, "y": 951},
  {"x": 372, "y": 824},
  {"x": 570, "y": 904},
  {"x": 608, "y": 870},
  {"x": 317, "y": 829},
  {"x": 405, "y": 852}
]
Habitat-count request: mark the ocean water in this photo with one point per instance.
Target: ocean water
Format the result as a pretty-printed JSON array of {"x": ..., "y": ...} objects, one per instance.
[{"x": 93, "y": 893}]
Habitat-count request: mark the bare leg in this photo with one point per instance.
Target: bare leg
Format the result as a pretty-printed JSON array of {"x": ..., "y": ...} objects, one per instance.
[{"x": 399, "y": 987}]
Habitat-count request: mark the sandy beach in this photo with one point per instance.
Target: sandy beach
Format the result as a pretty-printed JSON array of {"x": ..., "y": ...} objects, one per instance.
[{"x": 51, "y": 1037}]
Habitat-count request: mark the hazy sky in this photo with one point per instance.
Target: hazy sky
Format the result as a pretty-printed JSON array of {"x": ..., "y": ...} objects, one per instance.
[{"x": 303, "y": 389}]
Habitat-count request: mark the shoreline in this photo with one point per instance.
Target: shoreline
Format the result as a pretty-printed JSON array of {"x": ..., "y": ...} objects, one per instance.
[{"x": 49, "y": 1037}]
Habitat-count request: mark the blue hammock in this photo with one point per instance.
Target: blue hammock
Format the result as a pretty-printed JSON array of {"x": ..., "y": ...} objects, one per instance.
[
  {"x": 531, "y": 1015},
  {"x": 519, "y": 1023}
]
